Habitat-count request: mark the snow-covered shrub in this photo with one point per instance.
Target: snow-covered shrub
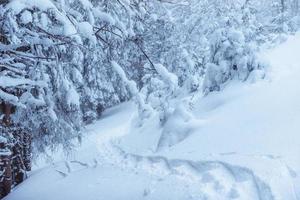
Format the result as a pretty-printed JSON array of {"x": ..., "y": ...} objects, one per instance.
[
  {"x": 144, "y": 109},
  {"x": 159, "y": 89},
  {"x": 231, "y": 57},
  {"x": 179, "y": 125}
]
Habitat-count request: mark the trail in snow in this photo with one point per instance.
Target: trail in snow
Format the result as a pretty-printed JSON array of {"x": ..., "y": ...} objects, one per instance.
[
  {"x": 215, "y": 179},
  {"x": 248, "y": 148},
  {"x": 110, "y": 173}
]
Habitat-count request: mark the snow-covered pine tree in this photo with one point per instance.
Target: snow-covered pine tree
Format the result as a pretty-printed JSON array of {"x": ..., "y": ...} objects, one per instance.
[
  {"x": 55, "y": 72},
  {"x": 70, "y": 45},
  {"x": 32, "y": 27}
]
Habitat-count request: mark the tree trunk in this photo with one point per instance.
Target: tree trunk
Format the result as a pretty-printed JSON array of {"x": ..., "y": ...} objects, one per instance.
[
  {"x": 6, "y": 170},
  {"x": 15, "y": 152},
  {"x": 7, "y": 113},
  {"x": 27, "y": 151}
]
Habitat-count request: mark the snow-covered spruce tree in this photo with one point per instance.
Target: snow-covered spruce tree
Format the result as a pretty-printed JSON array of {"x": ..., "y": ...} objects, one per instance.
[
  {"x": 51, "y": 113},
  {"x": 18, "y": 91},
  {"x": 273, "y": 17},
  {"x": 55, "y": 70},
  {"x": 165, "y": 40},
  {"x": 109, "y": 36},
  {"x": 177, "y": 34},
  {"x": 70, "y": 45}
]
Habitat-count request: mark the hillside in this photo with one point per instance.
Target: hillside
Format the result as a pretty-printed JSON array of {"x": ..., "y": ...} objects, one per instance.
[{"x": 239, "y": 143}]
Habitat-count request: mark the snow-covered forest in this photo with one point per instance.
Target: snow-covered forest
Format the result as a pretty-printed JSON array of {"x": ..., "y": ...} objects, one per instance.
[{"x": 149, "y": 99}]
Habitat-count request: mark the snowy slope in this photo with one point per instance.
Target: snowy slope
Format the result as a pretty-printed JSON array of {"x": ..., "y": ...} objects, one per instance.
[{"x": 246, "y": 146}]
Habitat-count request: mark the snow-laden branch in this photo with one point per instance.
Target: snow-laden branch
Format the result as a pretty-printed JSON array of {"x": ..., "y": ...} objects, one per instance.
[
  {"x": 144, "y": 109},
  {"x": 169, "y": 78}
]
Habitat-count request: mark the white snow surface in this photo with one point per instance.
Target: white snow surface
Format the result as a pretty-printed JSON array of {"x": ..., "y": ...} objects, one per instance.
[
  {"x": 105, "y": 17},
  {"x": 18, "y": 5},
  {"x": 246, "y": 146},
  {"x": 6, "y": 81},
  {"x": 170, "y": 78},
  {"x": 86, "y": 31}
]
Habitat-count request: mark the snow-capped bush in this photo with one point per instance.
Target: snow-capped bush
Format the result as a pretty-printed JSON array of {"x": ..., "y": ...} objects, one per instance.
[
  {"x": 159, "y": 89},
  {"x": 144, "y": 109},
  {"x": 231, "y": 57},
  {"x": 179, "y": 125}
]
